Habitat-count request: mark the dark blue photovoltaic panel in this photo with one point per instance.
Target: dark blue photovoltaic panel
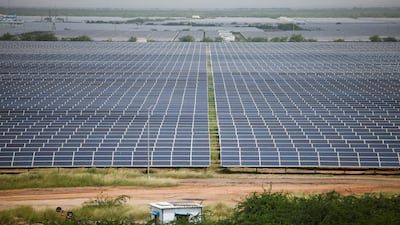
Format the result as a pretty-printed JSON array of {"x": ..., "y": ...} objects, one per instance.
[
  {"x": 308, "y": 104},
  {"x": 103, "y": 104}
]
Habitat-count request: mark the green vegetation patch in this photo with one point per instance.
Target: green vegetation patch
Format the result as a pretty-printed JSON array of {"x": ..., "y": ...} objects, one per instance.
[
  {"x": 327, "y": 208},
  {"x": 30, "y": 36},
  {"x": 48, "y": 178},
  {"x": 212, "y": 112},
  {"x": 257, "y": 209}
]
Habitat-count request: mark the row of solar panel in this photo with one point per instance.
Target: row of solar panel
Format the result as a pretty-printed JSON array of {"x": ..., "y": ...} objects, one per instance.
[
  {"x": 88, "y": 105},
  {"x": 309, "y": 159},
  {"x": 177, "y": 158},
  {"x": 339, "y": 102}
]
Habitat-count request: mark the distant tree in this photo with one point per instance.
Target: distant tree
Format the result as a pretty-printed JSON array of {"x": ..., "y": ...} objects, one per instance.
[
  {"x": 81, "y": 38},
  {"x": 132, "y": 39},
  {"x": 38, "y": 36},
  {"x": 219, "y": 39},
  {"x": 8, "y": 37},
  {"x": 275, "y": 39},
  {"x": 279, "y": 39},
  {"x": 389, "y": 39},
  {"x": 297, "y": 38},
  {"x": 289, "y": 26},
  {"x": 375, "y": 38},
  {"x": 257, "y": 39},
  {"x": 208, "y": 39},
  {"x": 339, "y": 40},
  {"x": 283, "y": 39},
  {"x": 312, "y": 40},
  {"x": 187, "y": 38}
]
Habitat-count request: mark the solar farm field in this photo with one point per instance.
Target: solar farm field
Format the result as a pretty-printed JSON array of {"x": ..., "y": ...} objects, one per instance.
[
  {"x": 96, "y": 104},
  {"x": 103, "y": 104},
  {"x": 308, "y": 105}
]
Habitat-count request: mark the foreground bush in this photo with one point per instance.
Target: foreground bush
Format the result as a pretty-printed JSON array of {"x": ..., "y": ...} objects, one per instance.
[
  {"x": 258, "y": 209},
  {"x": 330, "y": 208}
]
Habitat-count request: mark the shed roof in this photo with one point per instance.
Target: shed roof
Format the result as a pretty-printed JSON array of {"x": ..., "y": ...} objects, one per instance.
[{"x": 176, "y": 205}]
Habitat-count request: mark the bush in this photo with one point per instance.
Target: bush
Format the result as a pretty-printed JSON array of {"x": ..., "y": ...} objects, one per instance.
[
  {"x": 219, "y": 39},
  {"x": 289, "y": 26},
  {"x": 297, "y": 38},
  {"x": 38, "y": 36},
  {"x": 208, "y": 39},
  {"x": 103, "y": 201},
  {"x": 132, "y": 39},
  {"x": 375, "y": 38},
  {"x": 187, "y": 38},
  {"x": 389, "y": 39},
  {"x": 8, "y": 37},
  {"x": 81, "y": 38},
  {"x": 339, "y": 40},
  {"x": 279, "y": 39},
  {"x": 257, "y": 39},
  {"x": 327, "y": 208}
]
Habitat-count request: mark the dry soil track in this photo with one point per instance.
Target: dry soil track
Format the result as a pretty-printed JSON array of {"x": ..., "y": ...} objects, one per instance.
[{"x": 211, "y": 190}]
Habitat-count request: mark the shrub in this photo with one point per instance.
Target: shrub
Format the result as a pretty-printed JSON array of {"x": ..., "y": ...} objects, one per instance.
[
  {"x": 132, "y": 39},
  {"x": 38, "y": 36},
  {"x": 389, "y": 39},
  {"x": 187, "y": 38},
  {"x": 279, "y": 39},
  {"x": 339, "y": 40},
  {"x": 375, "y": 38},
  {"x": 8, "y": 37},
  {"x": 327, "y": 208},
  {"x": 208, "y": 39},
  {"x": 289, "y": 26},
  {"x": 258, "y": 39},
  {"x": 297, "y": 38},
  {"x": 103, "y": 201}
]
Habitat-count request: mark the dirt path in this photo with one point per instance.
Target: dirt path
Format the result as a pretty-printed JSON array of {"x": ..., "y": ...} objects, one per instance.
[{"x": 212, "y": 190}]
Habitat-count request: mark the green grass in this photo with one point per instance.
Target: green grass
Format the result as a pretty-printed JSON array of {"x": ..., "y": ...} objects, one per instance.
[
  {"x": 27, "y": 215},
  {"x": 99, "y": 177},
  {"x": 212, "y": 113},
  {"x": 258, "y": 208},
  {"x": 48, "y": 178}
]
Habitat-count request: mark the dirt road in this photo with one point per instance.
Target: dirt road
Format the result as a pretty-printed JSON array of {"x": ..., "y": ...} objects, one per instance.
[{"x": 211, "y": 190}]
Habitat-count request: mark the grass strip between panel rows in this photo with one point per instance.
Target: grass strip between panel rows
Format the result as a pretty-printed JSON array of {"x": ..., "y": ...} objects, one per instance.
[{"x": 212, "y": 114}]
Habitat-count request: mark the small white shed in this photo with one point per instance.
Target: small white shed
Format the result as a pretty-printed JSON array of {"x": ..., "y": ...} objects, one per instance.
[{"x": 165, "y": 212}]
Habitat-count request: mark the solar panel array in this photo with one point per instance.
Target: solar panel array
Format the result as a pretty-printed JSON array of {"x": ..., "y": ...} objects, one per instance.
[
  {"x": 94, "y": 104},
  {"x": 65, "y": 104},
  {"x": 308, "y": 104}
]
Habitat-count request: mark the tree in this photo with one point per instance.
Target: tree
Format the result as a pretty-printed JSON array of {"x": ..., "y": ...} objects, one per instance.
[
  {"x": 208, "y": 39},
  {"x": 8, "y": 37},
  {"x": 297, "y": 38},
  {"x": 132, "y": 39},
  {"x": 339, "y": 40},
  {"x": 279, "y": 39},
  {"x": 187, "y": 38},
  {"x": 258, "y": 39},
  {"x": 389, "y": 39},
  {"x": 375, "y": 38},
  {"x": 38, "y": 36}
]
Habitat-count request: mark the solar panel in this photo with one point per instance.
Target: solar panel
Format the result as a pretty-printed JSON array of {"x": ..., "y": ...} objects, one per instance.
[
  {"x": 307, "y": 104},
  {"x": 66, "y": 104},
  {"x": 103, "y": 104}
]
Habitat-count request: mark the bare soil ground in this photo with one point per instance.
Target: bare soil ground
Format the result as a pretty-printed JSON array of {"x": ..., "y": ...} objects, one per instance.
[{"x": 230, "y": 190}]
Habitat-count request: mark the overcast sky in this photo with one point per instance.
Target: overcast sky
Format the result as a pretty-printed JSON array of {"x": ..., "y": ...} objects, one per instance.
[{"x": 200, "y": 3}]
